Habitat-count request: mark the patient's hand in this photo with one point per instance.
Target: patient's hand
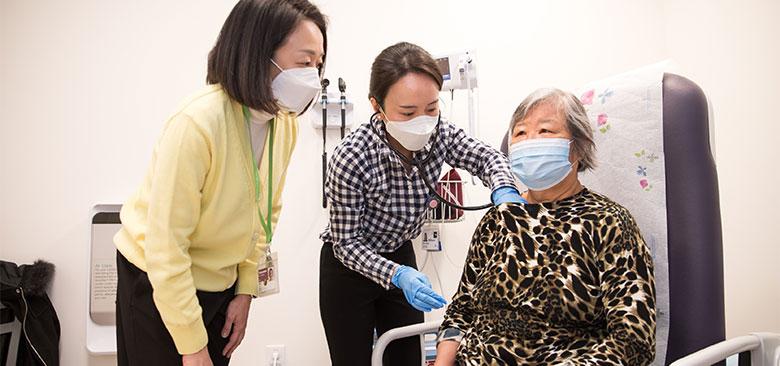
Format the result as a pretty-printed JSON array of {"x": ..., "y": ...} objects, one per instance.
[{"x": 445, "y": 353}]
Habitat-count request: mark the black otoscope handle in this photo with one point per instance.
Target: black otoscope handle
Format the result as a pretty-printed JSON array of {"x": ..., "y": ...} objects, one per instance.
[
  {"x": 325, "y": 83},
  {"x": 343, "y": 90},
  {"x": 324, "y": 173},
  {"x": 343, "y": 115}
]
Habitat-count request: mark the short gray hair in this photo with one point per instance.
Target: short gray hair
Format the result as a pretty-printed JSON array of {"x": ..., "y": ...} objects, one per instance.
[{"x": 577, "y": 122}]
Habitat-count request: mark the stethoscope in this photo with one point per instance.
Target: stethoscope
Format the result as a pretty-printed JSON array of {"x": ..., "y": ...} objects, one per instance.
[{"x": 418, "y": 163}]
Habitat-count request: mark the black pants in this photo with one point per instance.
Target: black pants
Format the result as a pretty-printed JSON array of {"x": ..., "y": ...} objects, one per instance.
[
  {"x": 352, "y": 306},
  {"x": 141, "y": 336}
]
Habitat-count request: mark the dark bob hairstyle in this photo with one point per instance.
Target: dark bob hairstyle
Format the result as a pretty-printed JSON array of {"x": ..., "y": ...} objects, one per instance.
[{"x": 241, "y": 59}]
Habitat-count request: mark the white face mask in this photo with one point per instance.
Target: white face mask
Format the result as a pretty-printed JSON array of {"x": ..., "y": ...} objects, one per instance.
[
  {"x": 414, "y": 133},
  {"x": 295, "y": 88}
]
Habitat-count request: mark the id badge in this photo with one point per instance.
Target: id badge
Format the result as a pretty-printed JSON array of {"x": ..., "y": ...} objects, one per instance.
[{"x": 268, "y": 275}]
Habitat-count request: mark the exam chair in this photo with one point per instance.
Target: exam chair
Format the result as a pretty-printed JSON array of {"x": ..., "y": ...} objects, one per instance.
[{"x": 695, "y": 250}]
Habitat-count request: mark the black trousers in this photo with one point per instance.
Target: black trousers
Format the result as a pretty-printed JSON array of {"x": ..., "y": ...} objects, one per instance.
[
  {"x": 141, "y": 336},
  {"x": 353, "y": 306}
]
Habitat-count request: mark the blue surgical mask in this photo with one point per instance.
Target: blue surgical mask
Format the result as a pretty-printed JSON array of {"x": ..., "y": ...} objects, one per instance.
[{"x": 540, "y": 163}]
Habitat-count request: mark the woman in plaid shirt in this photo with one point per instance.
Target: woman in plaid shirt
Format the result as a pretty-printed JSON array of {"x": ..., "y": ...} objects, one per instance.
[{"x": 378, "y": 201}]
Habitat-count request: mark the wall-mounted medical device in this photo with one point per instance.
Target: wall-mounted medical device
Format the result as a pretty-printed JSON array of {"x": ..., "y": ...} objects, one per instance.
[
  {"x": 333, "y": 114},
  {"x": 333, "y": 111},
  {"x": 458, "y": 70}
]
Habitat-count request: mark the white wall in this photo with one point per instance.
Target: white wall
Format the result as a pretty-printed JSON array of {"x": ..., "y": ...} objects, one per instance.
[{"x": 85, "y": 86}]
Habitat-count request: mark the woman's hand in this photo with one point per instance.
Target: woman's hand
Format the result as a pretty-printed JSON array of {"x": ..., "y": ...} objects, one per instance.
[
  {"x": 235, "y": 323},
  {"x": 200, "y": 358},
  {"x": 445, "y": 353}
]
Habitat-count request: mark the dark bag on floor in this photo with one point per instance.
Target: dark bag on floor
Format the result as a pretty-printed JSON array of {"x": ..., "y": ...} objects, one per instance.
[{"x": 23, "y": 292}]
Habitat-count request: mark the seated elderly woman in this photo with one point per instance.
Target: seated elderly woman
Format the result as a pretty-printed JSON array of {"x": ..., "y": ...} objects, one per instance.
[{"x": 565, "y": 279}]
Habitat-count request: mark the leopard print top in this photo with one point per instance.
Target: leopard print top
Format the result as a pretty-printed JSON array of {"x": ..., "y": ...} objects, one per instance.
[{"x": 562, "y": 283}]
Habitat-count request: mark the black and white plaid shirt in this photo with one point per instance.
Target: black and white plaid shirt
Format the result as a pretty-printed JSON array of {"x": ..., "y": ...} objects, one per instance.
[{"x": 376, "y": 205}]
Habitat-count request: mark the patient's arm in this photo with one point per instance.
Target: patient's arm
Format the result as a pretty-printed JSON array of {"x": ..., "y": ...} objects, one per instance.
[
  {"x": 445, "y": 353},
  {"x": 459, "y": 316},
  {"x": 628, "y": 294}
]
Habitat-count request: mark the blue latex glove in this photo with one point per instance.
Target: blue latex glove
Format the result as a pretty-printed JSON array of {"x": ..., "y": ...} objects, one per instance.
[
  {"x": 417, "y": 289},
  {"x": 506, "y": 195}
]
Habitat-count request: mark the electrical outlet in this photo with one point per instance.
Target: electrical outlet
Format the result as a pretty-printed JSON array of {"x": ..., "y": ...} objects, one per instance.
[{"x": 279, "y": 360}]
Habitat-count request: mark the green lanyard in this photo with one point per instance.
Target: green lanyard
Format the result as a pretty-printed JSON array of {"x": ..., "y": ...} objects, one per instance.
[{"x": 265, "y": 222}]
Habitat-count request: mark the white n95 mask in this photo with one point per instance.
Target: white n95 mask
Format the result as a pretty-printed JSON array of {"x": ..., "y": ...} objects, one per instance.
[
  {"x": 414, "y": 133},
  {"x": 540, "y": 163},
  {"x": 295, "y": 88}
]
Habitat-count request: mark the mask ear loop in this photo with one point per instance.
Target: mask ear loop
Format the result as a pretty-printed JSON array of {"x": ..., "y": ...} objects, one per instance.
[
  {"x": 579, "y": 158},
  {"x": 383, "y": 114},
  {"x": 377, "y": 114},
  {"x": 277, "y": 65}
]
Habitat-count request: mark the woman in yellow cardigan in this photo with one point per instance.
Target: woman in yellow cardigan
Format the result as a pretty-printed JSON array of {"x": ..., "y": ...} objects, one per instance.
[{"x": 195, "y": 231}]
